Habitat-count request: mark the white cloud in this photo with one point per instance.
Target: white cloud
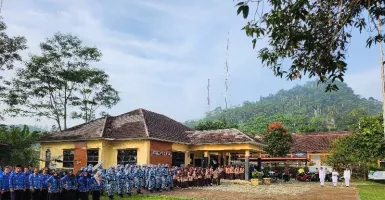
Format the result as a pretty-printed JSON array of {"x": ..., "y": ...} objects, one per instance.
[{"x": 159, "y": 54}]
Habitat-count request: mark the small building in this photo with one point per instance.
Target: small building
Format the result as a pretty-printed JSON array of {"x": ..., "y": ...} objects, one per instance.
[
  {"x": 309, "y": 149},
  {"x": 144, "y": 137}
]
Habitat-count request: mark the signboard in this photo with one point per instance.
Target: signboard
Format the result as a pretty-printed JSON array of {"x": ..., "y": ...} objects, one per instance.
[
  {"x": 376, "y": 175},
  {"x": 299, "y": 154},
  {"x": 161, "y": 153}
]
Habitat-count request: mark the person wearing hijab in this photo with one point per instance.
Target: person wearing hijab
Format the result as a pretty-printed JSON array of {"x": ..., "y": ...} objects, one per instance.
[
  {"x": 347, "y": 175},
  {"x": 322, "y": 175},
  {"x": 84, "y": 186},
  {"x": 96, "y": 185},
  {"x": 334, "y": 177},
  {"x": 70, "y": 183},
  {"x": 54, "y": 186}
]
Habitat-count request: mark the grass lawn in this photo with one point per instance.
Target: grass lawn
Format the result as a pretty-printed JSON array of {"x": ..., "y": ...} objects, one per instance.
[
  {"x": 371, "y": 191},
  {"x": 140, "y": 197}
]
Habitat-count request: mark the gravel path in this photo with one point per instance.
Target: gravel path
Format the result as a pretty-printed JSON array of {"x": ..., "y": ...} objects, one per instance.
[{"x": 288, "y": 191}]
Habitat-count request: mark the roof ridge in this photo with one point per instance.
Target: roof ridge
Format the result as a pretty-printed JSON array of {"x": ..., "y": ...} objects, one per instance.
[
  {"x": 144, "y": 121},
  {"x": 104, "y": 126}
]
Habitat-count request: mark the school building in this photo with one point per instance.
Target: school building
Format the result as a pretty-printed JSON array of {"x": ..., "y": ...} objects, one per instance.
[
  {"x": 145, "y": 137},
  {"x": 308, "y": 149}
]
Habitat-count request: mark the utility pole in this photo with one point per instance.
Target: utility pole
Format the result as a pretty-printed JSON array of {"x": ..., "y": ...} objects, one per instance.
[
  {"x": 382, "y": 69},
  {"x": 227, "y": 70},
  {"x": 208, "y": 95}
]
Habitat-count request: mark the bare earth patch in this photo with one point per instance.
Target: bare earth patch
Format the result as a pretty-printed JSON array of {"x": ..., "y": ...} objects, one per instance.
[{"x": 288, "y": 191}]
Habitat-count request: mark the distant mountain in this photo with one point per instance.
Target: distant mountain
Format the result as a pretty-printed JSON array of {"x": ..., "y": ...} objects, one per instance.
[{"x": 305, "y": 108}]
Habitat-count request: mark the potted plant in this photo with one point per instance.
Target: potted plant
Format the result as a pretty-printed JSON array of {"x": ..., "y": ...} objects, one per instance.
[{"x": 256, "y": 177}]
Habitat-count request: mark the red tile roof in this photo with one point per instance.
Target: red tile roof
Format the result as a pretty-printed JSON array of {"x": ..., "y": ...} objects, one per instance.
[
  {"x": 315, "y": 142},
  {"x": 136, "y": 124},
  {"x": 220, "y": 136}
]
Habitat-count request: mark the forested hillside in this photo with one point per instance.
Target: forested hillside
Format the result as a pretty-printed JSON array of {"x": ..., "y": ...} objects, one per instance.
[{"x": 305, "y": 108}]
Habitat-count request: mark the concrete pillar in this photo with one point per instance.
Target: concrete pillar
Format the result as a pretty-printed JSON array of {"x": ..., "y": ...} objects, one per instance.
[
  {"x": 205, "y": 159},
  {"x": 220, "y": 159},
  {"x": 247, "y": 167},
  {"x": 186, "y": 158}
]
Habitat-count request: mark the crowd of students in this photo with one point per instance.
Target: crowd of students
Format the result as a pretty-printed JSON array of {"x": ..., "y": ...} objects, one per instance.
[{"x": 23, "y": 184}]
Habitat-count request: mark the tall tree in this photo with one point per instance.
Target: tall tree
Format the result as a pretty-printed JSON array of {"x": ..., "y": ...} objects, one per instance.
[
  {"x": 59, "y": 79},
  {"x": 10, "y": 48},
  {"x": 94, "y": 93}
]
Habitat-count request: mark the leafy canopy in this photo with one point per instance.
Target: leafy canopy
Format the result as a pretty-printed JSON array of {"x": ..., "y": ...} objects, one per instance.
[
  {"x": 278, "y": 141},
  {"x": 59, "y": 79},
  {"x": 364, "y": 147},
  {"x": 214, "y": 125},
  {"x": 21, "y": 146},
  {"x": 309, "y": 37}
]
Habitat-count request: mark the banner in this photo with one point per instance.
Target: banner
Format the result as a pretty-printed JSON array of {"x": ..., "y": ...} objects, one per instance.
[
  {"x": 299, "y": 154},
  {"x": 161, "y": 153},
  {"x": 376, "y": 175}
]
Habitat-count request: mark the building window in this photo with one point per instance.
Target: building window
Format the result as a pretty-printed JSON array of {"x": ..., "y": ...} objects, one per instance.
[
  {"x": 127, "y": 156},
  {"x": 177, "y": 158},
  {"x": 92, "y": 156},
  {"x": 68, "y": 158}
]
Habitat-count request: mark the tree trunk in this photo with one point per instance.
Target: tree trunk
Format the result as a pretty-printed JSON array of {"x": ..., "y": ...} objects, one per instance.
[{"x": 382, "y": 70}]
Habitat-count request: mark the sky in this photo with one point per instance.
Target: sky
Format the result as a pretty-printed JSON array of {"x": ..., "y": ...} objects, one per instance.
[{"x": 159, "y": 54}]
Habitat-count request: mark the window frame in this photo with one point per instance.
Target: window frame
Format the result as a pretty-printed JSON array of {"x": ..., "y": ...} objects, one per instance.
[
  {"x": 93, "y": 161},
  {"x": 126, "y": 158},
  {"x": 71, "y": 152}
]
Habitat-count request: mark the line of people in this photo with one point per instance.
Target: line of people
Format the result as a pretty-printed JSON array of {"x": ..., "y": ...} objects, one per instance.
[{"x": 21, "y": 184}]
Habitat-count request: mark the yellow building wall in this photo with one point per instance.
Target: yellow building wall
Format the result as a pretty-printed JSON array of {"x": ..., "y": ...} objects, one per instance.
[
  {"x": 110, "y": 151},
  {"x": 180, "y": 147},
  {"x": 225, "y": 147},
  {"x": 56, "y": 149}
]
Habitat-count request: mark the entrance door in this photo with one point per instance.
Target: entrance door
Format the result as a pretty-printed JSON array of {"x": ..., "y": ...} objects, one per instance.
[{"x": 198, "y": 162}]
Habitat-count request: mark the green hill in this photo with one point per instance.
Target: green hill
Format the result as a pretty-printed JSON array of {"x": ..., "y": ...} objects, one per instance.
[{"x": 305, "y": 108}]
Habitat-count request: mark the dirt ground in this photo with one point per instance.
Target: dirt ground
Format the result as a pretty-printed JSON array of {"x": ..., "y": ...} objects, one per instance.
[{"x": 289, "y": 191}]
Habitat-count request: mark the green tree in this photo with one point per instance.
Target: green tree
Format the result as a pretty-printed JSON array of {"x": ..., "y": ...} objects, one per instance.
[
  {"x": 362, "y": 148},
  {"x": 94, "y": 93},
  {"x": 59, "y": 79},
  {"x": 311, "y": 36},
  {"x": 278, "y": 141},
  {"x": 10, "y": 48},
  {"x": 21, "y": 147},
  {"x": 214, "y": 125}
]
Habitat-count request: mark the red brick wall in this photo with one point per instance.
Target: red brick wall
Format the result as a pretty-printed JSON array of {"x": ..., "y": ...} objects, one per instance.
[
  {"x": 160, "y": 147},
  {"x": 80, "y": 155}
]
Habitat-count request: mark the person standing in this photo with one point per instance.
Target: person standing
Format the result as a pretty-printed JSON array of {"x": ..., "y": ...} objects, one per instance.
[
  {"x": 35, "y": 184},
  {"x": 322, "y": 175},
  {"x": 43, "y": 181},
  {"x": 347, "y": 175},
  {"x": 111, "y": 183},
  {"x": 96, "y": 186},
  {"x": 120, "y": 175},
  {"x": 27, "y": 192},
  {"x": 17, "y": 183},
  {"x": 70, "y": 184},
  {"x": 6, "y": 194},
  {"x": 138, "y": 175},
  {"x": 130, "y": 176},
  {"x": 54, "y": 186},
  {"x": 334, "y": 177},
  {"x": 84, "y": 186}
]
